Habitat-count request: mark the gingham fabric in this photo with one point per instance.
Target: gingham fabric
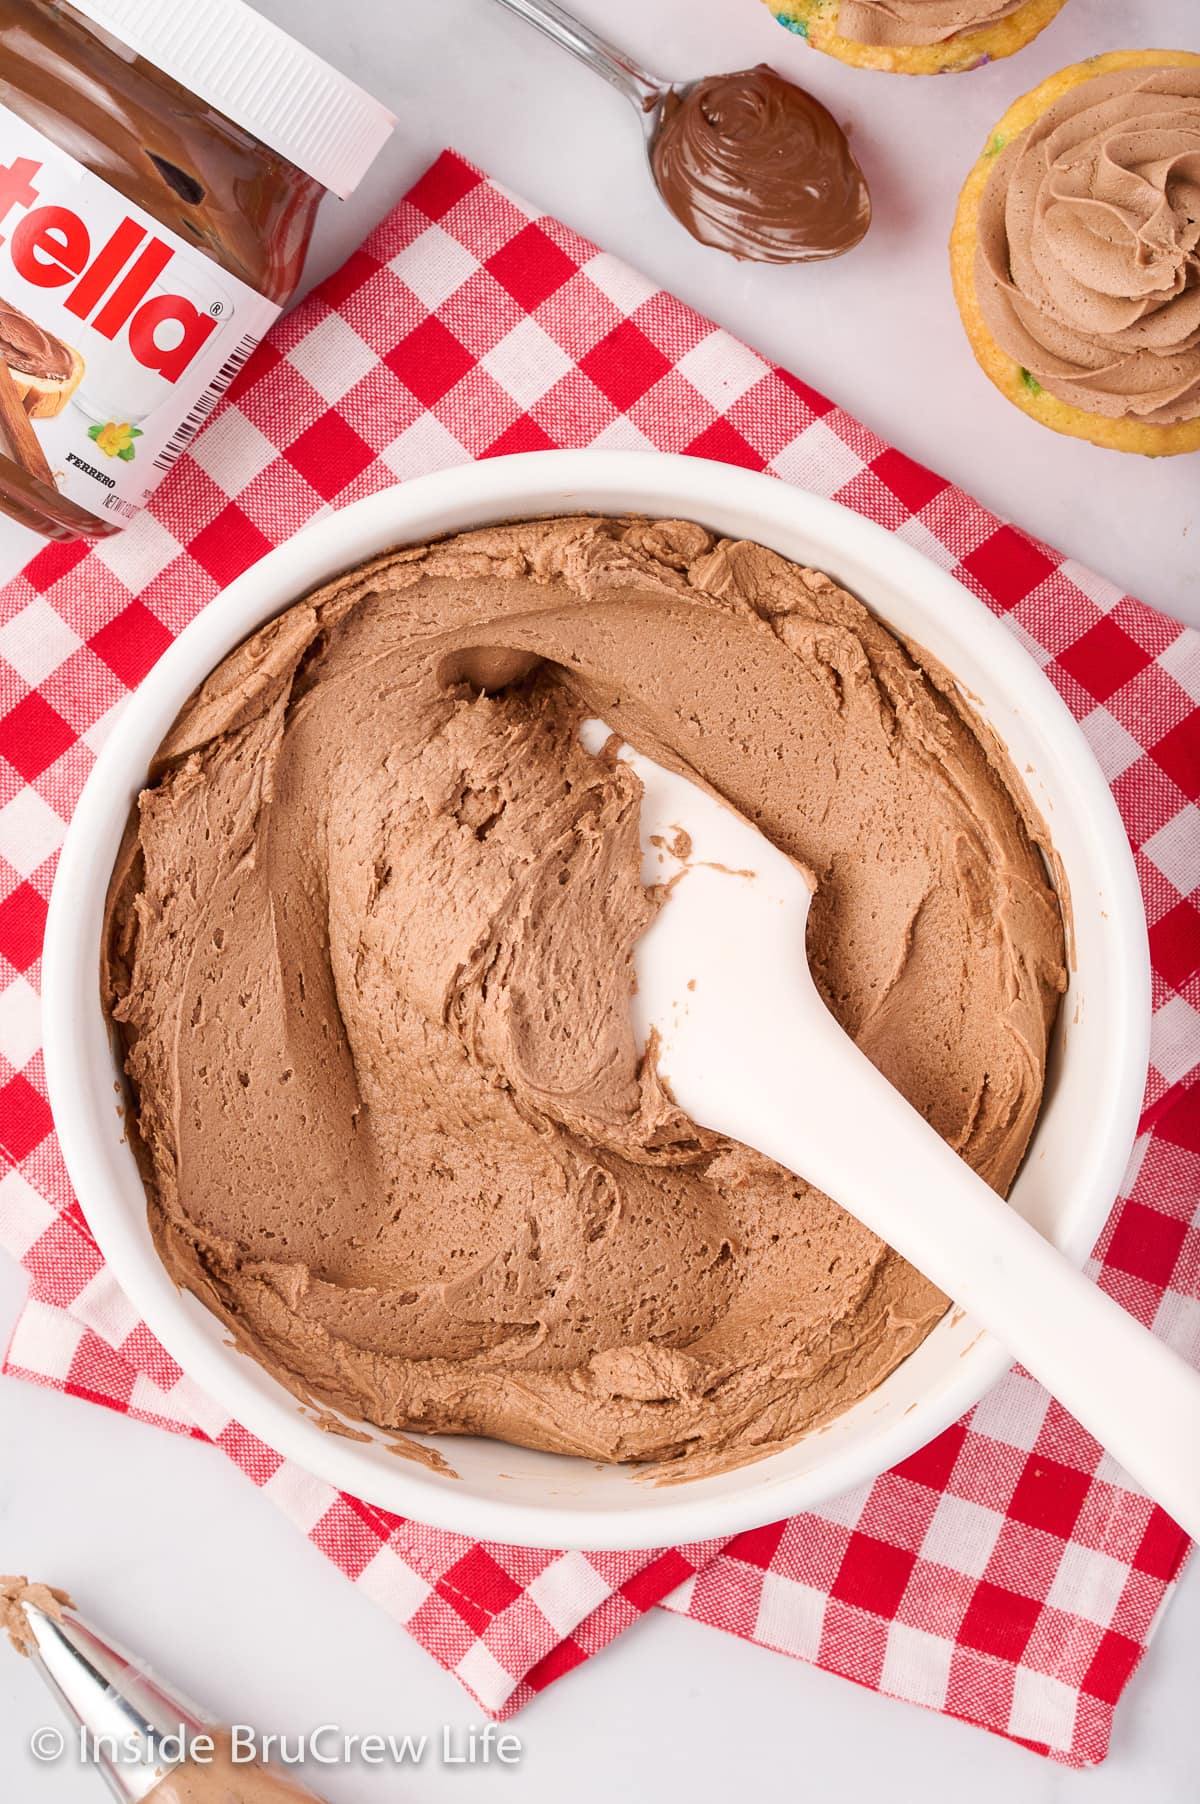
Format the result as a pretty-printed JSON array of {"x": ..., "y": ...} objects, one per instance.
[{"x": 1006, "y": 1573}]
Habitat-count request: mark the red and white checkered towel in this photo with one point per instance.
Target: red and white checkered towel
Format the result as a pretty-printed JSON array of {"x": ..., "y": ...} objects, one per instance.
[{"x": 1006, "y": 1573}]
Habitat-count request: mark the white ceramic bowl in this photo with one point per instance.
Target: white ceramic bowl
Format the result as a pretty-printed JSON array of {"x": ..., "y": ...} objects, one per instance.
[{"x": 1093, "y": 1095}]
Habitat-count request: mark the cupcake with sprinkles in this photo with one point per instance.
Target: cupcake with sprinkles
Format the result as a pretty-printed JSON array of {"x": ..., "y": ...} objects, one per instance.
[
  {"x": 917, "y": 37},
  {"x": 1075, "y": 253}
]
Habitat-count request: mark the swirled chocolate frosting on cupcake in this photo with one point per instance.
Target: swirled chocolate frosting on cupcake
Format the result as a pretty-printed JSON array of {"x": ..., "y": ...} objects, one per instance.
[
  {"x": 1088, "y": 261},
  {"x": 917, "y": 22}
]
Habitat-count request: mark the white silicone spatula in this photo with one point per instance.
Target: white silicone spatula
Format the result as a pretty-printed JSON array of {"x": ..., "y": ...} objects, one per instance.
[{"x": 749, "y": 1050}]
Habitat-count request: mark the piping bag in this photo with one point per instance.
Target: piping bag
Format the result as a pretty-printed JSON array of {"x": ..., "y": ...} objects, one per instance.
[{"x": 146, "y": 1741}]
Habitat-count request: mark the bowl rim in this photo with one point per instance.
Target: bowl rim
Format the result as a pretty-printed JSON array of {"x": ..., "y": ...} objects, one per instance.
[{"x": 658, "y": 484}]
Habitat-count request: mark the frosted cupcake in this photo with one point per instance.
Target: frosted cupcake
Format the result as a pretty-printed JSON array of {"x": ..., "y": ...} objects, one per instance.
[
  {"x": 916, "y": 37},
  {"x": 1076, "y": 252}
]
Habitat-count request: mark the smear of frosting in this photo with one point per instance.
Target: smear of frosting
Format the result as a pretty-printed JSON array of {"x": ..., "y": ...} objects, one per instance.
[
  {"x": 1088, "y": 264},
  {"x": 370, "y": 949},
  {"x": 30, "y": 350},
  {"x": 909, "y": 23},
  {"x": 753, "y": 165},
  {"x": 14, "y": 1593}
]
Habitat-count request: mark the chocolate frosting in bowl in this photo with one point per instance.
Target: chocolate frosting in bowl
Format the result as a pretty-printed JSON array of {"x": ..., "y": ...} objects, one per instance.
[
  {"x": 907, "y": 23},
  {"x": 1088, "y": 265},
  {"x": 753, "y": 165},
  {"x": 369, "y": 949}
]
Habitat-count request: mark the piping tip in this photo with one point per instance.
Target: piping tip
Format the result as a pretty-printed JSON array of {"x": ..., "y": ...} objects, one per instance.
[{"x": 108, "y": 1695}]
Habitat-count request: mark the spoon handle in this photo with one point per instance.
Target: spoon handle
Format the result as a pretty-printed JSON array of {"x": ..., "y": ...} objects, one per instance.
[
  {"x": 822, "y": 1110},
  {"x": 604, "y": 58}
]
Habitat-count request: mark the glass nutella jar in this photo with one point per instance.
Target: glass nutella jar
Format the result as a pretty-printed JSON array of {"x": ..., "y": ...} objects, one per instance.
[{"x": 161, "y": 166}]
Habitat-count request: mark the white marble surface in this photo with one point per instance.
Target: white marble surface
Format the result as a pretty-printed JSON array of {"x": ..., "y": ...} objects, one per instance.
[{"x": 162, "y": 1539}]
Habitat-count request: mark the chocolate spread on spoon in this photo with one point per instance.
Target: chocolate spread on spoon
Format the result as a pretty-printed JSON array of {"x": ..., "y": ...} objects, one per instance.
[{"x": 753, "y": 165}]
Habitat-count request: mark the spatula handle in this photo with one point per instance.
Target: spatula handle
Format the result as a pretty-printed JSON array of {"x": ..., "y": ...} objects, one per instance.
[
  {"x": 748, "y": 1048},
  {"x": 897, "y": 1175}
]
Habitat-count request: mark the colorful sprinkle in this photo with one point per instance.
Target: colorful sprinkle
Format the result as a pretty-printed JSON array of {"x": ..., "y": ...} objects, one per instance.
[
  {"x": 799, "y": 26},
  {"x": 1030, "y": 382}
]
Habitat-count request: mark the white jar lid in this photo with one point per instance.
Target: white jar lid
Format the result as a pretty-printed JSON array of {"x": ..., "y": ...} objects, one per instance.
[{"x": 245, "y": 67}]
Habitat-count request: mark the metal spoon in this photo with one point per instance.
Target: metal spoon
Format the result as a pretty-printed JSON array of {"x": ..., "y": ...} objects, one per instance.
[
  {"x": 749, "y": 163},
  {"x": 647, "y": 92}
]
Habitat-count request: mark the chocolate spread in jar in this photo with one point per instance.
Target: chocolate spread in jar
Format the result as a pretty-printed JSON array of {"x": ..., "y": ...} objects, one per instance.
[
  {"x": 753, "y": 165},
  {"x": 150, "y": 231}
]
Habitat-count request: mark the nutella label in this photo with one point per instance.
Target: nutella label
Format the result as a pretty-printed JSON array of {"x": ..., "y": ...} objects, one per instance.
[{"x": 117, "y": 337}]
